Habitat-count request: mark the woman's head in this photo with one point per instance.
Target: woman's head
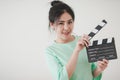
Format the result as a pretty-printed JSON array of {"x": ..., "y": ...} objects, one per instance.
[
  {"x": 61, "y": 18},
  {"x": 57, "y": 9}
]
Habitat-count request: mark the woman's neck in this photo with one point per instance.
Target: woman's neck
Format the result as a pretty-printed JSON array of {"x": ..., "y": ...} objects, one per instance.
[{"x": 60, "y": 40}]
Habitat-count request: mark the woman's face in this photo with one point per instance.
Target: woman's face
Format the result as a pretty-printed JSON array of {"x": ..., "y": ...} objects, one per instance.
[{"x": 63, "y": 26}]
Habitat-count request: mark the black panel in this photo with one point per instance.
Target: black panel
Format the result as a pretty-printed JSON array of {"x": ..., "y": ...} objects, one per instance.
[{"x": 103, "y": 51}]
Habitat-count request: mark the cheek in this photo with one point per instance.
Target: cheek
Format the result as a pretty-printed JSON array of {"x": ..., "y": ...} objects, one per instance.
[
  {"x": 71, "y": 27},
  {"x": 59, "y": 30}
]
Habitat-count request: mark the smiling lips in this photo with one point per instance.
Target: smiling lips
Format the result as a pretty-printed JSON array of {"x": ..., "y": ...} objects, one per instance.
[{"x": 66, "y": 33}]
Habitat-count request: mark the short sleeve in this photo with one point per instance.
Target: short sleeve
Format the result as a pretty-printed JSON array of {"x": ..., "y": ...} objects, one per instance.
[
  {"x": 58, "y": 70},
  {"x": 93, "y": 66}
]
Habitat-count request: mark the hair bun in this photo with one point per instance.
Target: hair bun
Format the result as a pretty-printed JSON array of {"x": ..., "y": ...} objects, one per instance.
[{"x": 53, "y": 3}]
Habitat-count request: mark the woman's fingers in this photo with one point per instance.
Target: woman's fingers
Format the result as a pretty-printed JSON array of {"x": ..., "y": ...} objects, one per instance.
[
  {"x": 85, "y": 40},
  {"x": 105, "y": 61},
  {"x": 103, "y": 64},
  {"x": 85, "y": 36}
]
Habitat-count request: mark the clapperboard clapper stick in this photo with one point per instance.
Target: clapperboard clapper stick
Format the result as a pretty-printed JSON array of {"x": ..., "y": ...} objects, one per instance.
[
  {"x": 101, "y": 49},
  {"x": 97, "y": 29}
]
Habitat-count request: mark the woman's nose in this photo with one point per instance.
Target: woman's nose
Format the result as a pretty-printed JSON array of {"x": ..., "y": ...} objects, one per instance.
[{"x": 66, "y": 27}]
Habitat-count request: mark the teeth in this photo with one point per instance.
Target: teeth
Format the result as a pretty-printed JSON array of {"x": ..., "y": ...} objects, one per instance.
[{"x": 66, "y": 33}]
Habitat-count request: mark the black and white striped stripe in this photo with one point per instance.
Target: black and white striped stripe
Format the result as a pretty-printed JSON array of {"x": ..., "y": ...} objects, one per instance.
[
  {"x": 97, "y": 29},
  {"x": 101, "y": 41}
]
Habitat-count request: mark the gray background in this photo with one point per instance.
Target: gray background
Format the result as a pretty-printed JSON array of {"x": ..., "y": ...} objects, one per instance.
[{"x": 24, "y": 35}]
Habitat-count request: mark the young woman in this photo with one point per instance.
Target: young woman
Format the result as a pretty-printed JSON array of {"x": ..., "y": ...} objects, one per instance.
[{"x": 66, "y": 56}]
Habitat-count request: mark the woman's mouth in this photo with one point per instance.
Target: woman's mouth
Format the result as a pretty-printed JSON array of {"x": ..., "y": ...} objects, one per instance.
[{"x": 66, "y": 33}]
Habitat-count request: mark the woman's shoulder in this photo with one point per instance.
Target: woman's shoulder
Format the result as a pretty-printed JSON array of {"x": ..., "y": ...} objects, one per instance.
[
  {"x": 49, "y": 49},
  {"x": 49, "y": 45}
]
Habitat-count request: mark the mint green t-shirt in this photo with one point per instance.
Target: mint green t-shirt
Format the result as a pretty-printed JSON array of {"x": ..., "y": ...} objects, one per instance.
[{"x": 58, "y": 55}]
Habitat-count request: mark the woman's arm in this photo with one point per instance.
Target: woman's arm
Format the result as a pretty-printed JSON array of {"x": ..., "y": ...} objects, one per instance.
[
  {"x": 58, "y": 70},
  {"x": 72, "y": 63},
  {"x": 73, "y": 59}
]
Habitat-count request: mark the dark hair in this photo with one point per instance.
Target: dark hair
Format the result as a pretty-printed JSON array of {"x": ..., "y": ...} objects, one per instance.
[{"x": 57, "y": 9}]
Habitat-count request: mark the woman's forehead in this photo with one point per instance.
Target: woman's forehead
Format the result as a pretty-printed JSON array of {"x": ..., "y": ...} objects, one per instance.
[{"x": 65, "y": 17}]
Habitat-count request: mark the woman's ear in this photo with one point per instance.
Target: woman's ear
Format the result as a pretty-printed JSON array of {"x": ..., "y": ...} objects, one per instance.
[{"x": 52, "y": 26}]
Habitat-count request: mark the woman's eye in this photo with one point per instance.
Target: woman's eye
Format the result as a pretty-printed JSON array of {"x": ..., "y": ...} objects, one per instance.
[
  {"x": 70, "y": 22},
  {"x": 60, "y": 23}
]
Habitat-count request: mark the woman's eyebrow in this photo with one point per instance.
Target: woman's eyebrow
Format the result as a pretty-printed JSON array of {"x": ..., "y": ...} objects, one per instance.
[
  {"x": 64, "y": 21},
  {"x": 61, "y": 21},
  {"x": 70, "y": 20}
]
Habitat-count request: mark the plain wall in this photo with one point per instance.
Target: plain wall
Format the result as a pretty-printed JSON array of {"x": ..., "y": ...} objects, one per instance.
[{"x": 24, "y": 35}]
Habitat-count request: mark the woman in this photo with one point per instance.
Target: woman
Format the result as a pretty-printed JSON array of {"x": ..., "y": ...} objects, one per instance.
[{"x": 66, "y": 56}]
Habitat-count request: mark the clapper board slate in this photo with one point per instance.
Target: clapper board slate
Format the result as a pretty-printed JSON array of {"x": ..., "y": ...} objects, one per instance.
[{"x": 101, "y": 49}]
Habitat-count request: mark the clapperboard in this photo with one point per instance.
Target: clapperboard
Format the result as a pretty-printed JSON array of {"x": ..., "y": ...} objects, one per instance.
[{"x": 101, "y": 49}]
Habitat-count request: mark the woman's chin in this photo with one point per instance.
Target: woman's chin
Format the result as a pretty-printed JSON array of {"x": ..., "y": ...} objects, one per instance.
[{"x": 66, "y": 36}]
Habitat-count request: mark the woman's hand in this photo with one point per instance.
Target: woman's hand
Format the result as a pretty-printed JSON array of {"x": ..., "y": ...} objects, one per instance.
[
  {"x": 82, "y": 42},
  {"x": 101, "y": 66}
]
